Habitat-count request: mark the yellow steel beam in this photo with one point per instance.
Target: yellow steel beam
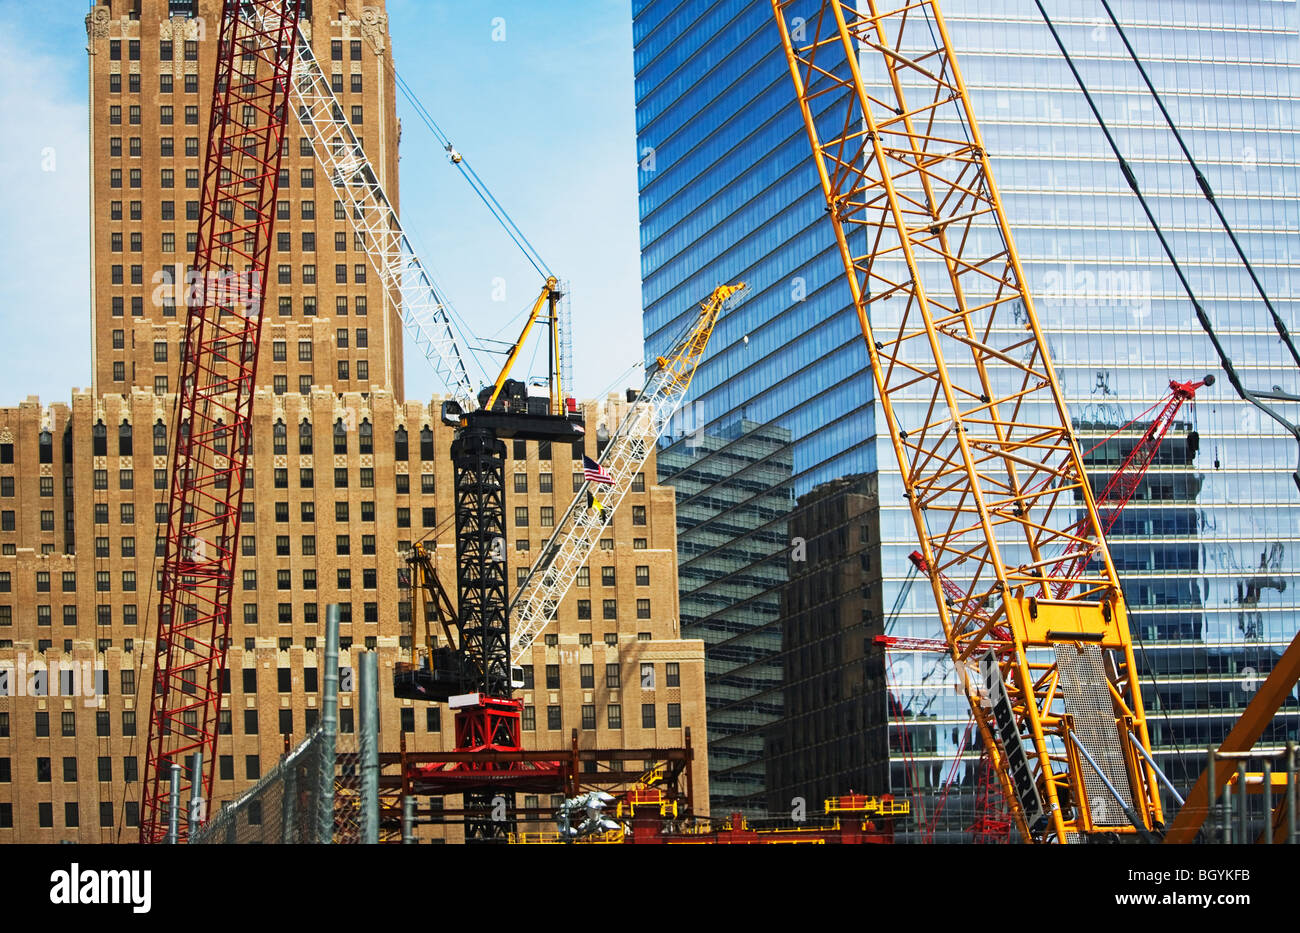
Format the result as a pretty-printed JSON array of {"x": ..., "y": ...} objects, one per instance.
[
  {"x": 993, "y": 474},
  {"x": 1242, "y": 738},
  {"x": 542, "y": 299}
]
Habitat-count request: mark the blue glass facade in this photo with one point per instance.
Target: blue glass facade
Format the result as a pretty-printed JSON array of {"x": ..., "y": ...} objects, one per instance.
[{"x": 1208, "y": 550}]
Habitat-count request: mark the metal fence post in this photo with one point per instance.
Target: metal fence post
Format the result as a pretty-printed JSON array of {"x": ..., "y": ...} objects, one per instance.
[
  {"x": 1290, "y": 793},
  {"x": 174, "y": 806},
  {"x": 1267, "y": 791},
  {"x": 1243, "y": 802},
  {"x": 408, "y": 820},
  {"x": 329, "y": 727},
  {"x": 368, "y": 684},
  {"x": 289, "y": 806},
  {"x": 196, "y": 815}
]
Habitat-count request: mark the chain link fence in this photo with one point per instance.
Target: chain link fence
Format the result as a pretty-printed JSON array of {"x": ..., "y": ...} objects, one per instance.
[
  {"x": 316, "y": 793},
  {"x": 347, "y": 792},
  {"x": 284, "y": 807}
]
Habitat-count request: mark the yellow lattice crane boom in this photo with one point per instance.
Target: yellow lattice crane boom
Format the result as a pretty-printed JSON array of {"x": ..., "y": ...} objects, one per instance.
[{"x": 991, "y": 468}]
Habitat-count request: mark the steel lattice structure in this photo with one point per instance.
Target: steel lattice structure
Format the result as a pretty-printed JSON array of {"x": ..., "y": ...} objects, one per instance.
[
  {"x": 213, "y": 432},
  {"x": 576, "y": 534},
  {"x": 479, "y": 464},
  {"x": 991, "y": 468},
  {"x": 1124, "y": 482},
  {"x": 414, "y": 294}
]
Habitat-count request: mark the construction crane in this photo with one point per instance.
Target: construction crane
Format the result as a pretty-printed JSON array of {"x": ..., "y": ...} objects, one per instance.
[
  {"x": 576, "y": 534},
  {"x": 1124, "y": 482},
  {"x": 473, "y": 673},
  {"x": 213, "y": 427},
  {"x": 992, "y": 471},
  {"x": 476, "y": 671},
  {"x": 378, "y": 230},
  {"x": 1111, "y": 502}
]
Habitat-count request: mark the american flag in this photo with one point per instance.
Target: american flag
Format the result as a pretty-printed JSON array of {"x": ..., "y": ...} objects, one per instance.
[{"x": 593, "y": 472}]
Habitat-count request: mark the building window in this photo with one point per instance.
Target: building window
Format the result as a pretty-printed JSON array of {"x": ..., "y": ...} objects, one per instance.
[
  {"x": 643, "y": 608},
  {"x": 673, "y": 674},
  {"x": 614, "y": 716},
  {"x": 647, "y": 715},
  {"x": 608, "y": 576},
  {"x": 553, "y": 717}
]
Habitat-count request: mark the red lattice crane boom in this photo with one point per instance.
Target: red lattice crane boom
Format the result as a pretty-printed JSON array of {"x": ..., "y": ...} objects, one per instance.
[
  {"x": 212, "y": 431},
  {"x": 1124, "y": 482}
]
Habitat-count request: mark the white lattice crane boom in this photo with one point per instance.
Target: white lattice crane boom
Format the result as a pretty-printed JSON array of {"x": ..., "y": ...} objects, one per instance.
[
  {"x": 576, "y": 534},
  {"x": 418, "y": 298}
]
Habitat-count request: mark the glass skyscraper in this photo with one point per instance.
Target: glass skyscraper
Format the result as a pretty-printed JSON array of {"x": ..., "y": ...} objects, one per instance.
[{"x": 1208, "y": 547}]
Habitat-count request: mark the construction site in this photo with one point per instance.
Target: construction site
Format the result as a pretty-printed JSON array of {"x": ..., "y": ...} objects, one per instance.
[{"x": 990, "y": 615}]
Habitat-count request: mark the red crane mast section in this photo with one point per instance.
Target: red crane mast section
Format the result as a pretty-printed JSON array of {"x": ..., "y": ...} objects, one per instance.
[{"x": 212, "y": 430}]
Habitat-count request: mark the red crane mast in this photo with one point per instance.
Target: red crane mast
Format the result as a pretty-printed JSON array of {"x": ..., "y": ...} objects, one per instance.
[
  {"x": 212, "y": 430},
  {"x": 1124, "y": 482}
]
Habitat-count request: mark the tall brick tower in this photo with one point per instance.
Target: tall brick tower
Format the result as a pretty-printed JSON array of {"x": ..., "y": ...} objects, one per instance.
[{"x": 330, "y": 321}]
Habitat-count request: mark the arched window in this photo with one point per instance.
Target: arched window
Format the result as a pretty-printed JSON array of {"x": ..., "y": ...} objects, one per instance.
[
  {"x": 219, "y": 438},
  {"x": 340, "y": 437},
  {"x": 401, "y": 449},
  {"x": 367, "y": 438},
  {"x": 99, "y": 439},
  {"x": 125, "y": 443},
  {"x": 47, "y": 447},
  {"x": 159, "y": 439},
  {"x": 426, "y": 443},
  {"x": 304, "y": 437},
  {"x": 280, "y": 438}
]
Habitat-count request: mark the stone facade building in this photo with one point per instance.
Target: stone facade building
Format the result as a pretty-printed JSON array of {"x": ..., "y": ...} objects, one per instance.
[{"x": 344, "y": 476}]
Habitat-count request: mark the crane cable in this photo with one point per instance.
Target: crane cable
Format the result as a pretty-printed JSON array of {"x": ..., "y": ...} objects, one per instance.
[
  {"x": 1202, "y": 317},
  {"x": 467, "y": 171},
  {"x": 1204, "y": 184}
]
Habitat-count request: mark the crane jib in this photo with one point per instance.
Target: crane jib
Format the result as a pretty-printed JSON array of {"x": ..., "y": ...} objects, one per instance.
[{"x": 1008, "y": 733}]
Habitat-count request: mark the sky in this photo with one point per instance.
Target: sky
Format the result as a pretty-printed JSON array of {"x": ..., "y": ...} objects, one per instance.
[{"x": 537, "y": 97}]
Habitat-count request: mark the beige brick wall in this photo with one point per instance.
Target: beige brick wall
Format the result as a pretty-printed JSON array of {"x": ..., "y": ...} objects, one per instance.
[
  {"x": 89, "y": 512},
  {"x": 133, "y": 242},
  {"x": 98, "y": 526}
]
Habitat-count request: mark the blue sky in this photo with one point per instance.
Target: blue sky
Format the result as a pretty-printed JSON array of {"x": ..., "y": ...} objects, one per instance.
[{"x": 545, "y": 117}]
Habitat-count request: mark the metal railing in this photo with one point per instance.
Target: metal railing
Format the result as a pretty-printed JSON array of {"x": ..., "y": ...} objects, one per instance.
[{"x": 1254, "y": 805}]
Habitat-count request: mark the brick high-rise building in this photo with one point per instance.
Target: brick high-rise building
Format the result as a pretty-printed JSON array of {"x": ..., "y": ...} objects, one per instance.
[
  {"x": 344, "y": 476},
  {"x": 329, "y": 510},
  {"x": 330, "y": 322}
]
